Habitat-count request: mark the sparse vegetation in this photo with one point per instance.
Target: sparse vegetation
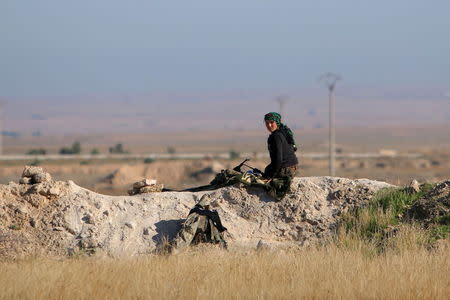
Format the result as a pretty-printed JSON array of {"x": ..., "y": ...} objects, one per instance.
[
  {"x": 35, "y": 162},
  {"x": 444, "y": 220},
  {"x": 440, "y": 232},
  {"x": 38, "y": 151},
  {"x": 382, "y": 220},
  {"x": 117, "y": 149},
  {"x": 171, "y": 150},
  {"x": 149, "y": 160},
  {"x": 234, "y": 154},
  {"x": 75, "y": 149},
  {"x": 95, "y": 151}
]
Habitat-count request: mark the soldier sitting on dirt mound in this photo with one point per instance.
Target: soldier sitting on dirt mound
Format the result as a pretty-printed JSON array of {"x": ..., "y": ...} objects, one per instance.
[
  {"x": 201, "y": 226},
  {"x": 277, "y": 176},
  {"x": 281, "y": 145}
]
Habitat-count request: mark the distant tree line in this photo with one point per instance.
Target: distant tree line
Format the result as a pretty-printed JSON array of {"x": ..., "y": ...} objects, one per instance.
[
  {"x": 38, "y": 151},
  {"x": 75, "y": 149},
  {"x": 10, "y": 133},
  {"x": 117, "y": 149}
]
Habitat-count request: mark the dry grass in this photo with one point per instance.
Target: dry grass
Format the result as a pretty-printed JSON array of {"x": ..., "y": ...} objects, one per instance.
[
  {"x": 407, "y": 270},
  {"x": 368, "y": 259}
]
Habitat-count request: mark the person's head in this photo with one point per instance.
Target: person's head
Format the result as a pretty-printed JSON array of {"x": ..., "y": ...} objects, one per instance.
[{"x": 273, "y": 121}]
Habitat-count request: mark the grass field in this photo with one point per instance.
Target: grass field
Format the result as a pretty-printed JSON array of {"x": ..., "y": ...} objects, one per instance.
[{"x": 349, "y": 272}]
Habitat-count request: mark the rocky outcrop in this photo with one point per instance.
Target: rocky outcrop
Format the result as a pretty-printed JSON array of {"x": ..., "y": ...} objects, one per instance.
[
  {"x": 434, "y": 207},
  {"x": 145, "y": 186},
  {"x": 33, "y": 175},
  {"x": 62, "y": 218}
]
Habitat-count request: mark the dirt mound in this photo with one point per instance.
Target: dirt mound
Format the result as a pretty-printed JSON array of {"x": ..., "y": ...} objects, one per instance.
[
  {"x": 434, "y": 207},
  {"x": 25, "y": 224},
  {"x": 172, "y": 174},
  {"x": 61, "y": 218}
]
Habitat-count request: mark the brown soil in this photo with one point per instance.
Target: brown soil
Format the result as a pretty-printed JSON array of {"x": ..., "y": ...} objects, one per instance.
[{"x": 434, "y": 207}]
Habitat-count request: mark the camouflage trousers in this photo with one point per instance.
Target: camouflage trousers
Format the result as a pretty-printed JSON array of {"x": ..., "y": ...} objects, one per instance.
[
  {"x": 280, "y": 185},
  {"x": 277, "y": 187},
  {"x": 287, "y": 172}
]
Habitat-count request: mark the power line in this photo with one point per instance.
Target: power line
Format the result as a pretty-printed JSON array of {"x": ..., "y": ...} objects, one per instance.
[
  {"x": 281, "y": 103},
  {"x": 330, "y": 80}
]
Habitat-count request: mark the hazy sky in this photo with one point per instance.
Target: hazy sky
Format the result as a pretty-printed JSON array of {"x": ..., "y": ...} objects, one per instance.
[{"x": 70, "y": 48}]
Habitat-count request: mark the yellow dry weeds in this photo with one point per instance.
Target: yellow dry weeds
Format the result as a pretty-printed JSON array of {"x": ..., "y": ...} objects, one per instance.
[{"x": 204, "y": 273}]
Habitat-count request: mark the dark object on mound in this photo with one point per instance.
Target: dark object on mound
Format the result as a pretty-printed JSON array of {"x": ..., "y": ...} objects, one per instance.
[
  {"x": 201, "y": 226},
  {"x": 434, "y": 207}
]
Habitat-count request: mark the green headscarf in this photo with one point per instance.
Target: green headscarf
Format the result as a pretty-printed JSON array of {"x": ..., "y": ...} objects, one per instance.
[
  {"x": 273, "y": 116},
  {"x": 276, "y": 117}
]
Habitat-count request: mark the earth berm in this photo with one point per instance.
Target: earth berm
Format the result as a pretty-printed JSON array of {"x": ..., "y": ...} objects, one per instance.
[{"x": 54, "y": 218}]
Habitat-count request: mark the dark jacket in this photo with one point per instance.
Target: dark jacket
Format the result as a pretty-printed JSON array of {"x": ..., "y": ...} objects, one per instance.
[{"x": 282, "y": 154}]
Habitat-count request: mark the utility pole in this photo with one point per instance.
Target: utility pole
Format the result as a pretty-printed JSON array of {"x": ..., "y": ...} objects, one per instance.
[
  {"x": 330, "y": 80},
  {"x": 281, "y": 102}
]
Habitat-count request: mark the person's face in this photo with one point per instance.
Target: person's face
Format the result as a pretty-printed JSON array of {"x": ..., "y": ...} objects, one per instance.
[{"x": 271, "y": 125}]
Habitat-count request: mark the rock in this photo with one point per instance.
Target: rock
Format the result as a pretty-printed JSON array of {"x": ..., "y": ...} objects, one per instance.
[
  {"x": 262, "y": 246},
  {"x": 44, "y": 189},
  {"x": 22, "y": 209},
  {"x": 33, "y": 175},
  {"x": 144, "y": 182},
  {"x": 16, "y": 189},
  {"x": 145, "y": 186},
  {"x": 88, "y": 244},
  {"x": 155, "y": 188},
  {"x": 25, "y": 180},
  {"x": 54, "y": 191},
  {"x": 41, "y": 177},
  {"x": 413, "y": 186},
  {"x": 88, "y": 219},
  {"x": 30, "y": 171},
  {"x": 36, "y": 200},
  {"x": 130, "y": 224}
]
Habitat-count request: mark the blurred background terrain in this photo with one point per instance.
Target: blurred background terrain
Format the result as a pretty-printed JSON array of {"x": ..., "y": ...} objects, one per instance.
[
  {"x": 108, "y": 92},
  {"x": 186, "y": 159}
]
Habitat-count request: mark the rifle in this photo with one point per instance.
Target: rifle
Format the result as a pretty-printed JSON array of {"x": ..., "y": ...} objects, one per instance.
[
  {"x": 257, "y": 172},
  {"x": 208, "y": 187},
  {"x": 238, "y": 167}
]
